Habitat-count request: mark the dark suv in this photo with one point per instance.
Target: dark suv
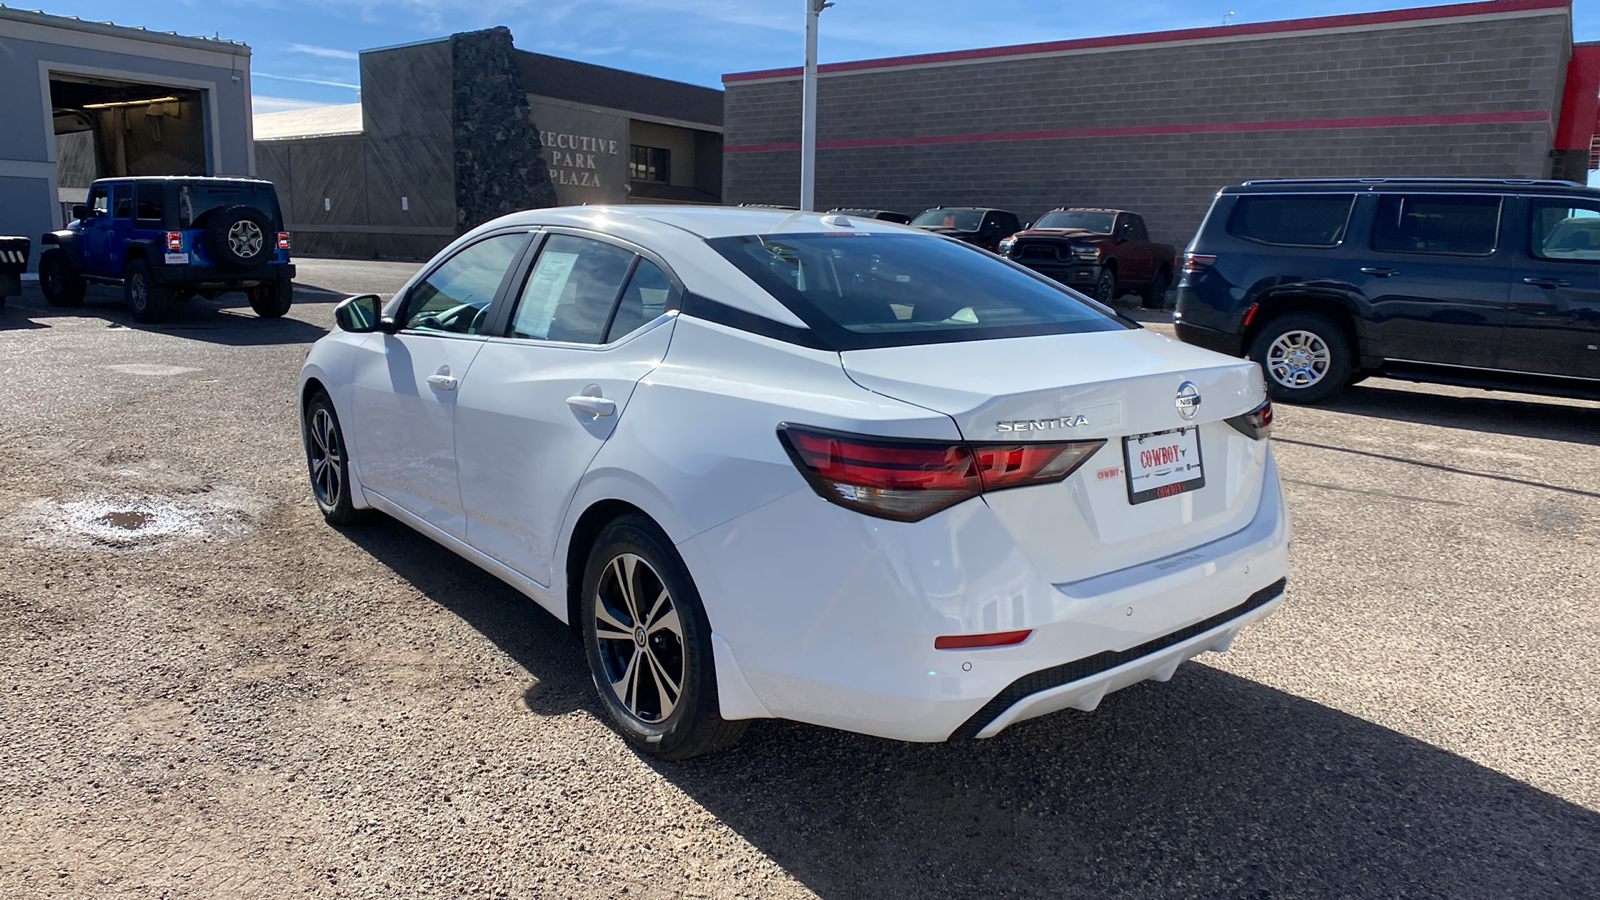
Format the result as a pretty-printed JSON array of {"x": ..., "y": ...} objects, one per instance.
[
  {"x": 973, "y": 224},
  {"x": 167, "y": 239},
  {"x": 1483, "y": 283}
]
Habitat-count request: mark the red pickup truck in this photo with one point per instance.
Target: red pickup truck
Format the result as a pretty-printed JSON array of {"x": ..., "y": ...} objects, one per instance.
[{"x": 1103, "y": 252}]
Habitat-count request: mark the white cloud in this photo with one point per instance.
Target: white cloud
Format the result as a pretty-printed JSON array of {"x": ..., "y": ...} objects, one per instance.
[
  {"x": 337, "y": 84},
  {"x": 324, "y": 52},
  {"x": 261, "y": 104}
]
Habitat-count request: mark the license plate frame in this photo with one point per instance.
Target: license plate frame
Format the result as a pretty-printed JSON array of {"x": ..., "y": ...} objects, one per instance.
[{"x": 1163, "y": 478}]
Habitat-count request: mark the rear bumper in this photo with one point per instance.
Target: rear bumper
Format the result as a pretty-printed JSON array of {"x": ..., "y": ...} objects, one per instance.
[
  {"x": 208, "y": 276},
  {"x": 829, "y": 617},
  {"x": 1210, "y": 338}
]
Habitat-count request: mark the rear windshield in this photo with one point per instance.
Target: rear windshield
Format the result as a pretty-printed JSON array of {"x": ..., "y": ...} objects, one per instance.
[
  {"x": 195, "y": 200},
  {"x": 1295, "y": 220},
  {"x": 859, "y": 291},
  {"x": 958, "y": 219},
  {"x": 1097, "y": 222}
]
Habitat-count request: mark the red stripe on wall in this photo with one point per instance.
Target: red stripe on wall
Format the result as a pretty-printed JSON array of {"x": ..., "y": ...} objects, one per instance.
[
  {"x": 1421, "y": 14},
  {"x": 1488, "y": 118}
]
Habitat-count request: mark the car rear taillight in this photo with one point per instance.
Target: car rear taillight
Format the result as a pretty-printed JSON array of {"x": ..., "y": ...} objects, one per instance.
[
  {"x": 174, "y": 241},
  {"x": 908, "y": 480},
  {"x": 283, "y": 240},
  {"x": 975, "y": 641},
  {"x": 1255, "y": 424},
  {"x": 1194, "y": 263}
]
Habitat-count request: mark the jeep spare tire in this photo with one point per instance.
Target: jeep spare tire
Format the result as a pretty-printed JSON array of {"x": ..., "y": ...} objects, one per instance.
[{"x": 240, "y": 237}]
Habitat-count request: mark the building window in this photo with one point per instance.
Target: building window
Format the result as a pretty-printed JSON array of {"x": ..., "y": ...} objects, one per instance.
[{"x": 649, "y": 164}]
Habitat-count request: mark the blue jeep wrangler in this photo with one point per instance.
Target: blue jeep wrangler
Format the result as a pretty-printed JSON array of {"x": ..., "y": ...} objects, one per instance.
[{"x": 169, "y": 239}]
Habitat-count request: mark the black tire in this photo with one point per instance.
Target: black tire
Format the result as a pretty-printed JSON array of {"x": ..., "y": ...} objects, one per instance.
[
  {"x": 148, "y": 299},
  {"x": 240, "y": 237},
  {"x": 58, "y": 282},
  {"x": 633, "y": 549},
  {"x": 328, "y": 463},
  {"x": 272, "y": 299},
  {"x": 1312, "y": 362},
  {"x": 1105, "y": 288},
  {"x": 1155, "y": 295}
]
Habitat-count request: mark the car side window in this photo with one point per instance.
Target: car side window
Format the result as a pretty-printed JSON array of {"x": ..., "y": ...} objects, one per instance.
[
  {"x": 1458, "y": 225},
  {"x": 1565, "y": 229},
  {"x": 570, "y": 293},
  {"x": 648, "y": 293},
  {"x": 455, "y": 298},
  {"x": 122, "y": 201},
  {"x": 1136, "y": 230},
  {"x": 99, "y": 203},
  {"x": 149, "y": 202}
]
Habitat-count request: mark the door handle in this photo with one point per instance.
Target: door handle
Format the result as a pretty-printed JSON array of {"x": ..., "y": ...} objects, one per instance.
[
  {"x": 443, "y": 382},
  {"x": 599, "y": 407},
  {"x": 1545, "y": 282},
  {"x": 1379, "y": 271}
]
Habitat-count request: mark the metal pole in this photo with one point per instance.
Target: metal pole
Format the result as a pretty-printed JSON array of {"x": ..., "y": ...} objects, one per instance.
[{"x": 808, "y": 111}]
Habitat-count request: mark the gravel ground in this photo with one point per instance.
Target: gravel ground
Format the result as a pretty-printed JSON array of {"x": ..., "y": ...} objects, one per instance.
[{"x": 208, "y": 692}]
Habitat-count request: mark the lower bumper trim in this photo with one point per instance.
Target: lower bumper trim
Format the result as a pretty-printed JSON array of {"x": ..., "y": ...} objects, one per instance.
[{"x": 1066, "y": 673}]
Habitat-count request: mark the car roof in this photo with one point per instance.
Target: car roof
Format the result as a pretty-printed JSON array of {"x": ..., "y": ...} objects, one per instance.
[
  {"x": 700, "y": 221},
  {"x": 1346, "y": 185},
  {"x": 204, "y": 179},
  {"x": 1090, "y": 209},
  {"x": 967, "y": 209}
]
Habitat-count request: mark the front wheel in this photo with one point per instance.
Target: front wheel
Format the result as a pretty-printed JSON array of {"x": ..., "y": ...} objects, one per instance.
[
  {"x": 329, "y": 463},
  {"x": 649, "y": 645},
  {"x": 148, "y": 299},
  {"x": 1155, "y": 296},
  {"x": 272, "y": 299},
  {"x": 60, "y": 285},
  {"x": 1305, "y": 356},
  {"x": 1105, "y": 290}
]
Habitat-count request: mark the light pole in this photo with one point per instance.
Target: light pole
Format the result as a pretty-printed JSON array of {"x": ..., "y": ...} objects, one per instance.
[{"x": 808, "y": 109}]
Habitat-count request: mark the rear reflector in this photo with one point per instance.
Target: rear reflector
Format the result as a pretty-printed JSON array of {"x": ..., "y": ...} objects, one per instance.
[
  {"x": 971, "y": 641},
  {"x": 908, "y": 480},
  {"x": 1197, "y": 262},
  {"x": 1255, "y": 424}
]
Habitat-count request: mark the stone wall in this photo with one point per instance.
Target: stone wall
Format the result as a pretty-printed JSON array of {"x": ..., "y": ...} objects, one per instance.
[
  {"x": 498, "y": 160},
  {"x": 1159, "y": 126}
]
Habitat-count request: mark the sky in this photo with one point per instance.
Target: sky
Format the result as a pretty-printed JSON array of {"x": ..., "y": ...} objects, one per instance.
[{"x": 304, "y": 52}]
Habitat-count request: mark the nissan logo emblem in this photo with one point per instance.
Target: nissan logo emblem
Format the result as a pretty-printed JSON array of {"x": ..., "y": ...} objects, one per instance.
[{"x": 1188, "y": 400}]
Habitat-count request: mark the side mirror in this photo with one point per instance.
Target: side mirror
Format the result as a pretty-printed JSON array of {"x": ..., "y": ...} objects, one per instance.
[
  {"x": 362, "y": 314},
  {"x": 80, "y": 211}
]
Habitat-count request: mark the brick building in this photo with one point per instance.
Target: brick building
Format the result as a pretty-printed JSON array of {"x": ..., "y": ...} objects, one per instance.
[{"x": 1158, "y": 122}]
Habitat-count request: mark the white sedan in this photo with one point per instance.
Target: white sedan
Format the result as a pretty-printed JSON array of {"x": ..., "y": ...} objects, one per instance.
[{"x": 808, "y": 467}]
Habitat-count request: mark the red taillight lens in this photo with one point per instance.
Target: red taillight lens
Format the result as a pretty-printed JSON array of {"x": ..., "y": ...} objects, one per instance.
[
  {"x": 174, "y": 241},
  {"x": 973, "y": 641},
  {"x": 908, "y": 480},
  {"x": 1255, "y": 424},
  {"x": 1197, "y": 262},
  {"x": 283, "y": 240}
]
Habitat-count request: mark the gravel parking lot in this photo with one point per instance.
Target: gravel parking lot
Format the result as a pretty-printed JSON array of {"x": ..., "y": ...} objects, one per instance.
[{"x": 208, "y": 692}]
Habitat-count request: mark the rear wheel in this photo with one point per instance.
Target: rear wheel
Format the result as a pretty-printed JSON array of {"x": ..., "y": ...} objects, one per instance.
[
  {"x": 272, "y": 299},
  {"x": 60, "y": 285},
  {"x": 1305, "y": 356},
  {"x": 1155, "y": 296},
  {"x": 649, "y": 645},
  {"x": 148, "y": 299}
]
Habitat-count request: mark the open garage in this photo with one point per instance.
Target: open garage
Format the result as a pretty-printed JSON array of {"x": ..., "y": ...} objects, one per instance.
[{"x": 89, "y": 100}]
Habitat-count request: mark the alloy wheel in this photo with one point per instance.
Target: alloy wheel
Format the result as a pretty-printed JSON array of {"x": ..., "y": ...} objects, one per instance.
[
  {"x": 327, "y": 458},
  {"x": 138, "y": 294},
  {"x": 640, "y": 638},
  {"x": 1298, "y": 359},
  {"x": 245, "y": 239}
]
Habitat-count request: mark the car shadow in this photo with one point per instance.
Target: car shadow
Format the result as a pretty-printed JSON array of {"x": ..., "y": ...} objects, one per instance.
[
  {"x": 1517, "y": 415},
  {"x": 1208, "y": 786},
  {"x": 197, "y": 319}
]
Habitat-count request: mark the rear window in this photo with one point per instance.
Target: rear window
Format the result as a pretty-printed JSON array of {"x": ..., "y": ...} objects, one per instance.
[
  {"x": 195, "y": 200},
  {"x": 958, "y": 219},
  {"x": 1464, "y": 225},
  {"x": 882, "y": 290},
  {"x": 1303, "y": 220}
]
